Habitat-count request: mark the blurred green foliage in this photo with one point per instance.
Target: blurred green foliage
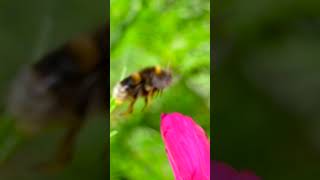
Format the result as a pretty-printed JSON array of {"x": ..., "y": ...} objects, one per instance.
[
  {"x": 28, "y": 30},
  {"x": 266, "y": 87},
  {"x": 174, "y": 34}
]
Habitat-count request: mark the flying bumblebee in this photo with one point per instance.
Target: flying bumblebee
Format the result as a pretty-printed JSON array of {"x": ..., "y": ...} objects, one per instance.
[
  {"x": 145, "y": 83},
  {"x": 62, "y": 88}
]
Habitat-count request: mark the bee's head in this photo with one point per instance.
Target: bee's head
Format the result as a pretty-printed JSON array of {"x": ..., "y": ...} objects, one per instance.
[{"x": 162, "y": 78}]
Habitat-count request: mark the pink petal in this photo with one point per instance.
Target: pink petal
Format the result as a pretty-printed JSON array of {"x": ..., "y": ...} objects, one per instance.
[
  {"x": 221, "y": 171},
  {"x": 247, "y": 175},
  {"x": 187, "y": 147}
]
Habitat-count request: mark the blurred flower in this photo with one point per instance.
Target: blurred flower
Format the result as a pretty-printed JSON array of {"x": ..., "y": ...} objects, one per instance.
[
  {"x": 221, "y": 171},
  {"x": 188, "y": 150},
  {"x": 187, "y": 147}
]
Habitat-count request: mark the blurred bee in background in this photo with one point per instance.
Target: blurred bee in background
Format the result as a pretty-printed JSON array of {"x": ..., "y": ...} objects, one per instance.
[
  {"x": 145, "y": 83},
  {"x": 62, "y": 88}
]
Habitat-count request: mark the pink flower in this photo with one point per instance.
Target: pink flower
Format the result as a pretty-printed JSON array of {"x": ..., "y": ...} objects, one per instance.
[
  {"x": 221, "y": 171},
  {"x": 188, "y": 151},
  {"x": 187, "y": 147}
]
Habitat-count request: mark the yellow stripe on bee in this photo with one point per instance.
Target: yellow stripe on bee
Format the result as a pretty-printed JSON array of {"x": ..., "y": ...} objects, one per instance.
[
  {"x": 136, "y": 77},
  {"x": 118, "y": 101},
  {"x": 158, "y": 70}
]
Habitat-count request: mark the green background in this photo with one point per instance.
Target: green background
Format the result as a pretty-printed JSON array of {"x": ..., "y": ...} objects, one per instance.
[{"x": 174, "y": 34}]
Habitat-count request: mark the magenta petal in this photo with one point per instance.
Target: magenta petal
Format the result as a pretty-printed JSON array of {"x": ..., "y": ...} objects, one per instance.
[
  {"x": 247, "y": 175},
  {"x": 187, "y": 147},
  {"x": 221, "y": 171}
]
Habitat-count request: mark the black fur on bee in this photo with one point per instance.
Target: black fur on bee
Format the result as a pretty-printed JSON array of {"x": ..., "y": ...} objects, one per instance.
[{"x": 145, "y": 83}]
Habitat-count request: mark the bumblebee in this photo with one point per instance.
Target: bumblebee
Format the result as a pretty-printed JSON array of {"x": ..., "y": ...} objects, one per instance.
[
  {"x": 145, "y": 83},
  {"x": 62, "y": 88}
]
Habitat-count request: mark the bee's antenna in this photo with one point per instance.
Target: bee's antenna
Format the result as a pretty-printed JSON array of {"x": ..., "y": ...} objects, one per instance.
[
  {"x": 168, "y": 65},
  {"x": 124, "y": 71}
]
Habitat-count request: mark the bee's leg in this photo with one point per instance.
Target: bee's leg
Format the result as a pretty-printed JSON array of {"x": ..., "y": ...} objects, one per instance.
[
  {"x": 147, "y": 100},
  {"x": 65, "y": 151},
  {"x": 146, "y": 103},
  {"x": 130, "y": 108},
  {"x": 156, "y": 92},
  {"x": 64, "y": 154}
]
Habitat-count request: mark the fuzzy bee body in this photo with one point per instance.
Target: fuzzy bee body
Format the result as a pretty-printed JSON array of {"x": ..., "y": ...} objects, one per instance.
[
  {"x": 61, "y": 85},
  {"x": 145, "y": 83},
  {"x": 62, "y": 88}
]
